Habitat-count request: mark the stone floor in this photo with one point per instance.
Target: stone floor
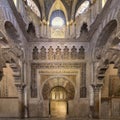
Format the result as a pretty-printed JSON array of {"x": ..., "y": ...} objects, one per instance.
[{"x": 54, "y": 119}]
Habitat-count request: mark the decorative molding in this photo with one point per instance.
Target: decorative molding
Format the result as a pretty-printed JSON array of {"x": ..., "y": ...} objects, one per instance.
[{"x": 58, "y": 65}]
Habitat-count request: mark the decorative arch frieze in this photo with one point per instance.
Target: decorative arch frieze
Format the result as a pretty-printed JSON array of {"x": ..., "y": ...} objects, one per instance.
[{"x": 58, "y": 53}]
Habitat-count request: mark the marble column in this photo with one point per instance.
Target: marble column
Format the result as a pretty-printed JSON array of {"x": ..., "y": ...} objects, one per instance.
[
  {"x": 1, "y": 72},
  {"x": 2, "y": 64},
  {"x": 97, "y": 100},
  {"x": 118, "y": 70},
  {"x": 20, "y": 89}
]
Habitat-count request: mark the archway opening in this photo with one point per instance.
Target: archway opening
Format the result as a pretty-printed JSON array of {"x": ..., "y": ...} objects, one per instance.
[{"x": 58, "y": 102}]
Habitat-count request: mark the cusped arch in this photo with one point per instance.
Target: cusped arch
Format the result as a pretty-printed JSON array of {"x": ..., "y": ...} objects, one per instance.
[{"x": 60, "y": 81}]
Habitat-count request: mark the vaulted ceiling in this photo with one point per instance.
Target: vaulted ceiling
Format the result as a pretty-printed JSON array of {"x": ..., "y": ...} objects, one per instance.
[{"x": 70, "y": 5}]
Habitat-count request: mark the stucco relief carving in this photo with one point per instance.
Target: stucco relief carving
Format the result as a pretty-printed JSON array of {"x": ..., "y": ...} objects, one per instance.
[
  {"x": 58, "y": 54},
  {"x": 35, "y": 53},
  {"x": 70, "y": 90},
  {"x": 98, "y": 52},
  {"x": 50, "y": 53},
  {"x": 43, "y": 53},
  {"x": 11, "y": 55},
  {"x": 81, "y": 54},
  {"x": 73, "y": 53},
  {"x": 81, "y": 66}
]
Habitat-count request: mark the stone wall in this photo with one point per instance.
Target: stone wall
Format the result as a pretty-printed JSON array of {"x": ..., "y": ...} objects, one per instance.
[{"x": 9, "y": 107}]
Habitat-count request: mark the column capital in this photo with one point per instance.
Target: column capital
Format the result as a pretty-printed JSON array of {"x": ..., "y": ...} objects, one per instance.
[
  {"x": 97, "y": 87},
  {"x": 20, "y": 87}
]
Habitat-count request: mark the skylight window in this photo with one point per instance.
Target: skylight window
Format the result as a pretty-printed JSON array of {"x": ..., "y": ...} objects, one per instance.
[
  {"x": 83, "y": 8},
  {"x": 57, "y": 22},
  {"x": 103, "y": 3},
  {"x": 15, "y": 2},
  {"x": 33, "y": 7}
]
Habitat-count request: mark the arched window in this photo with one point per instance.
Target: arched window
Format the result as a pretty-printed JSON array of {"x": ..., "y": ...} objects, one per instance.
[
  {"x": 57, "y": 24},
  {"x": 83, "y": 8},
  {"x": 15, "y": 2},
  {"x": 57, "y": 19}
]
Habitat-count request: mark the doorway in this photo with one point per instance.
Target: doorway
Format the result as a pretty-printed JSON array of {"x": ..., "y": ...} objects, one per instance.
[{"x": 58, "y": 102}]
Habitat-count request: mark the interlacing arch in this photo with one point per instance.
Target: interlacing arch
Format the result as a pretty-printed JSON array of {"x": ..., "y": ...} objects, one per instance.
[
  {"x": 111, "y": 16},
  {"x": 106, "y": 48}
]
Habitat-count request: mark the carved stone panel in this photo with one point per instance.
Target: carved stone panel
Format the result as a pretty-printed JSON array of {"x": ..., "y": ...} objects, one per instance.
[
  {"x": 70, "y": 66},
  {"x": 58, "y": 54},
  {"x": 43, "y": 53},
  {"x": 114, "y": 86},
  {"x": 66, "y": 53},
  {"x": 115, "y": 107},
  {"x": 81, "y": 54},
  {"x": 105, "y": 108}
]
